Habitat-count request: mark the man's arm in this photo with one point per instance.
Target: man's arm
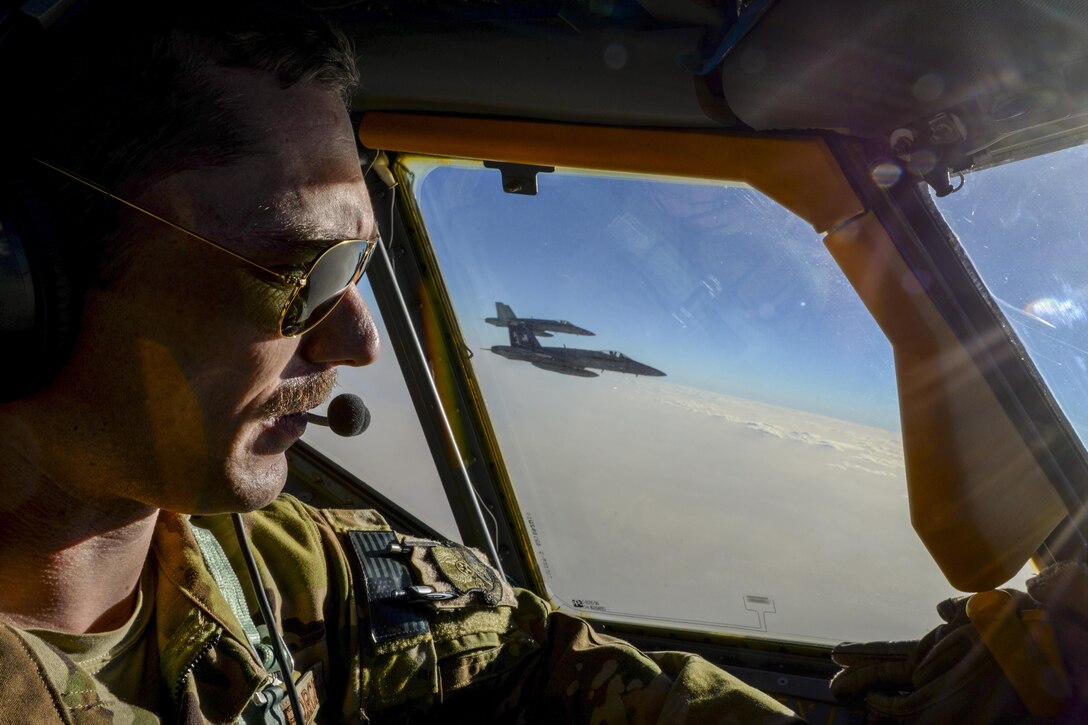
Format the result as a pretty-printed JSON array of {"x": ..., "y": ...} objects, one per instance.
[
  {"x": 480, "y": 648},
  {"x": 580, "y": 675}
]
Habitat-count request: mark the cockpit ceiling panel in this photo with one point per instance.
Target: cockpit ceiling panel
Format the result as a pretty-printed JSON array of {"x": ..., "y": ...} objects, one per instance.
[
  {"x": 869, "y": 67},
  {"x": 1012, "y": 71},
  {"x": 624, "y": 77}
]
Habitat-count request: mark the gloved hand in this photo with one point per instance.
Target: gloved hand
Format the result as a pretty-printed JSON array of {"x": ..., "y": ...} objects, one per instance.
[
  {"x": 1062, "y": 591},
  {"x": 950, "y": 676}
]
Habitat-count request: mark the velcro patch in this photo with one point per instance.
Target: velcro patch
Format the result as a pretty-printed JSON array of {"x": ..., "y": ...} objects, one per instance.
[
  {"x": 386, "y": 579},
  {"x": 307, "y": 697},
  {"x": 461, "y": 571}
]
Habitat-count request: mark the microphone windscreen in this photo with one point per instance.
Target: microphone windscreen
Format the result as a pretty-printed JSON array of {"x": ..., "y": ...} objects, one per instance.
[{"x": 348, "y": 415}]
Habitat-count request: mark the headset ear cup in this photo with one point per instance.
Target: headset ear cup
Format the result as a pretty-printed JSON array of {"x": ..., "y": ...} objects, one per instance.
[{"x": 35, "y": 283}]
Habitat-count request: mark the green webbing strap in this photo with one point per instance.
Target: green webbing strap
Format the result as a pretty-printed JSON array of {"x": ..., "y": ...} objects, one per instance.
[{"x": 219, "y": 566}]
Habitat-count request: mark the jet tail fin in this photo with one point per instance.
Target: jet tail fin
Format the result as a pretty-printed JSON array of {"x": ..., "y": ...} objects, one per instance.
[
  {"x": 522, "y": 336},
  {"x": 504, "y": 312}
]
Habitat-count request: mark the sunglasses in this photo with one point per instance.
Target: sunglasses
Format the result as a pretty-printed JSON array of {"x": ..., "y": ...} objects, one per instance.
[{"x": 311, "y": 296}]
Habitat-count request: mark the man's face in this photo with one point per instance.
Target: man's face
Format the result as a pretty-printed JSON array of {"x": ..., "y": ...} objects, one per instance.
[{"x": 186, "y": 395}]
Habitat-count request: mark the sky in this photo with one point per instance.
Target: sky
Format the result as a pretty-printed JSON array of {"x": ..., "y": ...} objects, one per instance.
[
  {"x": 718, "y": 286},
  {"x": 1025, "y": 228}
]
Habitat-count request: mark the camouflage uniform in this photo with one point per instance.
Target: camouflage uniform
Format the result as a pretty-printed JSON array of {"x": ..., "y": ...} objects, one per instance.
[{"x": 477, "y": 651}]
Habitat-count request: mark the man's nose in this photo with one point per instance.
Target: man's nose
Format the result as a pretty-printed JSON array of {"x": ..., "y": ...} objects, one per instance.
[{"x": 348, "y": 336}]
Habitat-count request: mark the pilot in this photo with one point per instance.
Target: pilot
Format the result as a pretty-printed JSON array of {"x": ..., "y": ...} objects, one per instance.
[{"x": 175, "y": 174}]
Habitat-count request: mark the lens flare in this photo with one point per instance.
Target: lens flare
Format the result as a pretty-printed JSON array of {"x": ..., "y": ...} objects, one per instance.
[
  {"x": 615, "y": 56},
  {"x": 928, "y": 87},
  {"x": 886, "y": 174},
  {"x": 923, "y": 161},
  {"x": 1055, "y": 312}
]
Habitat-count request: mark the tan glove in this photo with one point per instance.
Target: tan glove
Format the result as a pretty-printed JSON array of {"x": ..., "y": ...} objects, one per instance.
[{"x": 950, "y": 675}]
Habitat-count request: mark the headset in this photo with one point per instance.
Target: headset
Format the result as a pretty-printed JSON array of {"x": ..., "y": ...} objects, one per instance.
[{"x": 39, "y": 301}]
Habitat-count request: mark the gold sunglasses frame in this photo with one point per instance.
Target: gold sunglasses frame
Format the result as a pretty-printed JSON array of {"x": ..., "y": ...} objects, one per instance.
[{"x": 294, "y": 283}]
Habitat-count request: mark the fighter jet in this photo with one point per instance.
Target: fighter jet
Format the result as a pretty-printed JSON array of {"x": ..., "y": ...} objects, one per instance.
[
  {"x": 540, "y": 328},
  {"x": 566, "y": 360}
]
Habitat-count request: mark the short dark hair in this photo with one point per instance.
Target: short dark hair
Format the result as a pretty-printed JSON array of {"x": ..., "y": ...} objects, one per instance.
[{"x": 121, "y": 94}]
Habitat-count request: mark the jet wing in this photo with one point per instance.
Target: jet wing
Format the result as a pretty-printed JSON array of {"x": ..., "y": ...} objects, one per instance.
[
  {"x": 556, "y": 367},
  {"x": 543, "y": 328}
]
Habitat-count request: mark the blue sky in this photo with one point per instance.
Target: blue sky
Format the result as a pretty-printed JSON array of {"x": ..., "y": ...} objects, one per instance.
[
  {"x": 1025, "y": 228},
  {"x": 725, "y": 290},
  {"x": 718, "y": 286}
]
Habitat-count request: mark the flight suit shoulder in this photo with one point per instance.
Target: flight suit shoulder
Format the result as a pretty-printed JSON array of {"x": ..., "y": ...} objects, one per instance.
[
  {"x": 435, "y": 616},
  {"x": 42, "y": 685}
]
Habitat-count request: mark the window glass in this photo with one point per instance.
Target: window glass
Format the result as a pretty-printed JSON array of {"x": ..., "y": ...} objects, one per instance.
[
  {"x": 757, "y": 487},
  {"x": 392, "y": 455},
  {"x": 1025, "y": 228}
]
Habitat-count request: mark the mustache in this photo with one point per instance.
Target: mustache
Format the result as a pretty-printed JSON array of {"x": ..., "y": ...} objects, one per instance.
[{"x": 300, "y": 394}]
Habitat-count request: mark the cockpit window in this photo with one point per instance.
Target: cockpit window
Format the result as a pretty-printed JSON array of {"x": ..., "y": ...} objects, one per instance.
[
  {"x": 1025, "y": 228},
  {"x": 715, "y": 445}
]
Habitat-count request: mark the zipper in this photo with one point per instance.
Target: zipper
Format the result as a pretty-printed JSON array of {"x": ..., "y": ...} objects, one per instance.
[{"x": 214, "y": 640}]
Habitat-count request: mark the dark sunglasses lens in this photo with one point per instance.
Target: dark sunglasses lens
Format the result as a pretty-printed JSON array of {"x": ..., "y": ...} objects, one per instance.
[{"x": 338, "y": 268}]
